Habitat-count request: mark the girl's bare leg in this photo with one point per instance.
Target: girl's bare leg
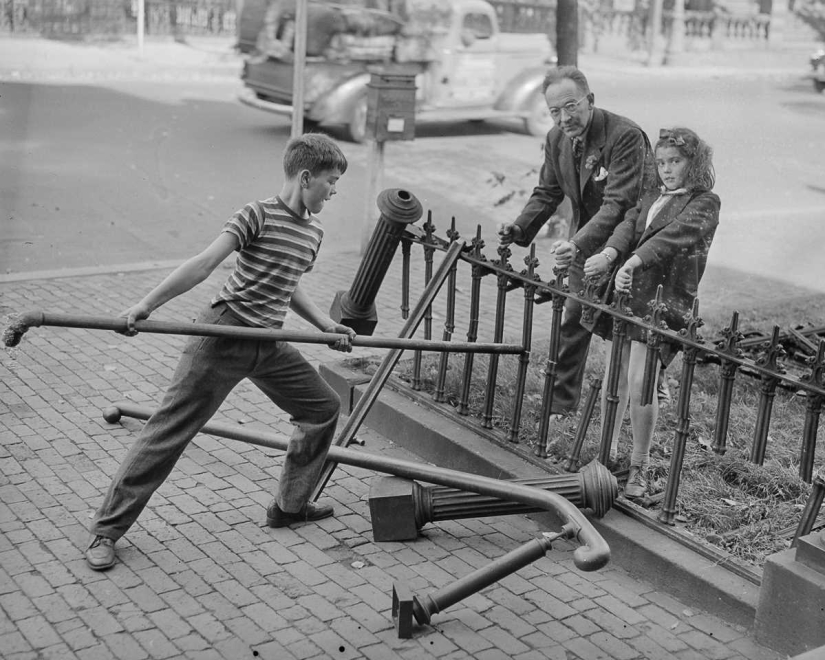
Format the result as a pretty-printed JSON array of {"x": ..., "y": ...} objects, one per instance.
[
  {"x": 623, "y": 393},
  {"x": 642, "y": 421}
]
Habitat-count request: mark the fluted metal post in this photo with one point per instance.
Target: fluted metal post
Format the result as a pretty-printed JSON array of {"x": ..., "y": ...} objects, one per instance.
[{"x": 356, "y": 307}]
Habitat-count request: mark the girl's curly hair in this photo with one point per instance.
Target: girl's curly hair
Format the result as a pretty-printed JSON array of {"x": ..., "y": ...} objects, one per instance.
[{"x": 700, "y": 174}]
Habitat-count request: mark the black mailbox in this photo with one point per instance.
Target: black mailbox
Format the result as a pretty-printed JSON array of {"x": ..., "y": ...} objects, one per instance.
[{"x": 391, "y": 106}]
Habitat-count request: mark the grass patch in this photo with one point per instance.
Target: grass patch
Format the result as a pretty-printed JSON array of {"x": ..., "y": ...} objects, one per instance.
[{"x": 747, "y": 510}]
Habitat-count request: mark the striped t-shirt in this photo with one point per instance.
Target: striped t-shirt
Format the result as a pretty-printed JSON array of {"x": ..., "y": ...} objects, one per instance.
[{"x": 276, "y": 248}]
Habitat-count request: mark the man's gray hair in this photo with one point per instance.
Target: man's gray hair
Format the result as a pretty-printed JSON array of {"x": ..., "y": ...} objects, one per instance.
[{"x": 558, "y": 74}]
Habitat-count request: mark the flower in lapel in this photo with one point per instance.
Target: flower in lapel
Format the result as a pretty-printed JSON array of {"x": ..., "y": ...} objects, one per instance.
[
  {"x": 591, "y": 161},
  {"x": 601, "y": 175}
]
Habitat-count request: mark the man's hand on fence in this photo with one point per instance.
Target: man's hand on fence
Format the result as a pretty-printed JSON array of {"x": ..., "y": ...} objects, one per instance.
[
  {"x": 509, "y": 233},
  {"x": 565, "y": 252}
]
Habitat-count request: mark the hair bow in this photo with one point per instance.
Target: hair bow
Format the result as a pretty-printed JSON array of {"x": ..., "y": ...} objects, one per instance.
[{"x": 672, "y": 138}]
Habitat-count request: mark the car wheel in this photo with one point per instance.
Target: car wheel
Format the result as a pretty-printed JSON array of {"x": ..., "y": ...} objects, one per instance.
[
  {"x": 538, "y": 122},
  {"x": 356, "y": 129}
]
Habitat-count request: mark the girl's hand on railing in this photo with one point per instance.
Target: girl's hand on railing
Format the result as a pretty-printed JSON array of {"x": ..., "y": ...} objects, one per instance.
[{"x": 624, "y": 276}]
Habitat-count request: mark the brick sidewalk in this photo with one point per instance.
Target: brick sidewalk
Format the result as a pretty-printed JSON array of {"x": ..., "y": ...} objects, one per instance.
[{"x": 201, "y": 576}]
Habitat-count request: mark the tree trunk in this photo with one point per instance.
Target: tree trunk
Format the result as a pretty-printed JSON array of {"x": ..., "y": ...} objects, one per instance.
[{"x": 567, "y": 32}]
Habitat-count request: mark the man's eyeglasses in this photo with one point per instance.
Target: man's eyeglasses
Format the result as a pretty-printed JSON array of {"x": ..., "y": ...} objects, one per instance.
[
  {"x": 569, "y": 108},
  {"x": 671, "y": 138}
]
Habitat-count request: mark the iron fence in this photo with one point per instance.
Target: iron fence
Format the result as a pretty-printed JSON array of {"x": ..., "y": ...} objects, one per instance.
[{"x": 726, "y": 353}]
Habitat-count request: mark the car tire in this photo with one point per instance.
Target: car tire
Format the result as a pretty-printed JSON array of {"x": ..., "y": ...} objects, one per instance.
[
  {"x": 356, "y": 129},
  {"x": 538, "y": 121}
]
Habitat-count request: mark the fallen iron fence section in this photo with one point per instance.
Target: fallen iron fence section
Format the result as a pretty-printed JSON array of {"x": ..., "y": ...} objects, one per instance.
[{"x": 727, "y": 352}]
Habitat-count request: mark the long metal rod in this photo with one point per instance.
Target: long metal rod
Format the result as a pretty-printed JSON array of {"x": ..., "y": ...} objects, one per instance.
[
  {"x": 36, "y": 319},
  {"x": 380, "y": 377},
  {"x": 592, "y": 555},
  {"x": 425, "y": 606}
]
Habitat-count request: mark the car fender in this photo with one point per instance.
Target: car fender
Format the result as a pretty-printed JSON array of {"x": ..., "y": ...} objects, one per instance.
[
  {"x": 516, "y": 95},
  {"x": 335, "y": 107}
]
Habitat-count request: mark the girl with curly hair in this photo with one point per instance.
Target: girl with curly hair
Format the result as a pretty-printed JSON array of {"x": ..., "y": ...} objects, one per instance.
[{"x": 663, "y": 241}]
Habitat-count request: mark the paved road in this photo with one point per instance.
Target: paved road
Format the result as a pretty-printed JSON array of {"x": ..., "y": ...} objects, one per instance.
[{"x": 139, "y": 170}]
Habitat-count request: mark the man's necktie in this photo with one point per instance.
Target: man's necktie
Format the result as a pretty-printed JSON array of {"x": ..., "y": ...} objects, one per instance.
[{"x": 578, "y": 148}]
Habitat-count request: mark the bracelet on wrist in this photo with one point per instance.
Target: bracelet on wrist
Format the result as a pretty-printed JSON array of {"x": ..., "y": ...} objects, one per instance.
[{"x": 607, "y": 255}]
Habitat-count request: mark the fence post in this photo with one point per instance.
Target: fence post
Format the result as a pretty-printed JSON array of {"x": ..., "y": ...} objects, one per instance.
[
  {"x": 429, "y": 249},
  {"x": 677, "y": 456},
  {"x": 526, "y": 340},
  {"x": 472, "y": 330},
  {"x": 729, "y": 345},
  {"x": 612, "y": 393},
  {"x": 653, "y": 352},
  {"x": 449, "y": 322},
  {"x": 773, "y": 351},
  {"x": 552, "y": 360},
  {"x": 503, "y": 280},
  {"x": 813, "y": 408}
]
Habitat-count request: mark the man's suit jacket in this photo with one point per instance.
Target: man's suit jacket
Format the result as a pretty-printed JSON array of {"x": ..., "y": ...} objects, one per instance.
[
  {"x": 616, "y": 165},
  {"x": 673, "y": 250}
]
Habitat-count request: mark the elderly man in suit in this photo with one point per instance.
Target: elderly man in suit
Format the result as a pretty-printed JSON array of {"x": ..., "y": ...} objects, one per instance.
[{"x": 602, "y": 162}]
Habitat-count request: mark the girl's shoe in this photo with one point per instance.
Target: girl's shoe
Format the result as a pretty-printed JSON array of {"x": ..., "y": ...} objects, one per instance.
[{"x": 636, "y": 487}]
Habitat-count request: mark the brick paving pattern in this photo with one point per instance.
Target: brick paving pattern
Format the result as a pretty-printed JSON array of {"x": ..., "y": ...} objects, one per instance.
[{"x": 200, "y": 576}]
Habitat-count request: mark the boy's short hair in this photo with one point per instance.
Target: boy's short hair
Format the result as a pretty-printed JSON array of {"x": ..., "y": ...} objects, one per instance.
[
  {"x": 567, "y": 72},
  {"x": 315, "y": 152}
]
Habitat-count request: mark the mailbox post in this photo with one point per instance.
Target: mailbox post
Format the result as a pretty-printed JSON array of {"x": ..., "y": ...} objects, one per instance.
[{"x": 390, "y": 116}]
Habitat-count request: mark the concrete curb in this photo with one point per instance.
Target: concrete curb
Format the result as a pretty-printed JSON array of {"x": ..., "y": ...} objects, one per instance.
[{"x": 642, "y": 551}]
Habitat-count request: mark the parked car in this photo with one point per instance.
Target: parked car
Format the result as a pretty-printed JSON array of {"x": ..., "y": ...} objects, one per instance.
[
  {"x": 818, "y": 69},
  {"x": 465, "y": 68}
]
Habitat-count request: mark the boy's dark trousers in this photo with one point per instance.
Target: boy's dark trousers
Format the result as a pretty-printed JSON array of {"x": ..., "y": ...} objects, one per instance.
[{"x": 208, "y": 370}]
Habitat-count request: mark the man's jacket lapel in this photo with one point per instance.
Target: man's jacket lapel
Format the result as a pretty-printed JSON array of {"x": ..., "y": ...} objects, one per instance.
[
  {"x": 594, "y": 141},
  {"x": 670, "y": 211}
]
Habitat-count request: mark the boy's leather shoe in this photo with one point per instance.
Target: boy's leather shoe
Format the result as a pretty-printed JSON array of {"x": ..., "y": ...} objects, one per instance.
[
  {"x": 100, "y": 554},
  {"x": 311, "y": 511}
]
